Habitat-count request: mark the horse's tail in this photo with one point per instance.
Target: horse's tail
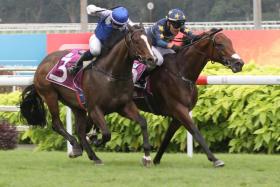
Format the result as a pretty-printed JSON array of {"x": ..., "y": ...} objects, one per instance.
[{"x": 32, "y": 107}]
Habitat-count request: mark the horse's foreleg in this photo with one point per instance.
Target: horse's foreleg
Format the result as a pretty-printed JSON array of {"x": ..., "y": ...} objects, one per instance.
[
  {"x": 98, "y": 118},
  {"x": 182, "y": 114},
  {"x": 131, "y": 111},
  {"x": 81, "y": 124},
  {"x": 172, "y": 128}
]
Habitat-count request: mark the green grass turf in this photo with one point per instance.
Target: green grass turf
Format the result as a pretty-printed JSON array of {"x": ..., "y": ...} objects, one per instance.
[{"x": 25, "y": 168}]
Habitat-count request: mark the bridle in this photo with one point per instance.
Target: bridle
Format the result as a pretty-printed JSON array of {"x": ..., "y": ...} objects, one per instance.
[
  {"x": 211, "y": 37},
  {"x": 225, "y": 61},
  {"x": 130, "y": 46}
]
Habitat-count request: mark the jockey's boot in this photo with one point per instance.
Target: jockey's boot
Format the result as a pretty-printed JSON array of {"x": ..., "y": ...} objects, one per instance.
[
  {"x": 141, "y": 83},
  {"x": 79, "y": 64}
]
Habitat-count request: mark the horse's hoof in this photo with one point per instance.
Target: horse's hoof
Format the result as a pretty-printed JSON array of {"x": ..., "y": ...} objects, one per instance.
[
  {"x": 156, "y": 162},
  {"x": 73, "y": 155},
  {"x": 91, "y": 138},
  {"x": 76, "y": 152},
  {"x": 88, "y": 140},
  {"x": 97, "y": 142},
  {"x": 147, "y": 161},
  {"x": 218, "y": 163},
  {"x": 98, "y": 162}
]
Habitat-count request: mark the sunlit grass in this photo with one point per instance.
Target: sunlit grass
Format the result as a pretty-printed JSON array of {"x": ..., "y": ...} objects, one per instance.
[{"x": 25, "y": 168}]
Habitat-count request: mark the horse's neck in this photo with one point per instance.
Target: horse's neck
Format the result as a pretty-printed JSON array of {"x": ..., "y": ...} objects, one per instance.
[
  {"x": 116, "y": 61},
  {"x": 192, "y": 62}
]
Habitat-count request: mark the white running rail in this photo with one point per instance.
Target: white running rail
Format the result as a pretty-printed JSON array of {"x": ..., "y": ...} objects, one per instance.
[{"x": 76, "y": 27}]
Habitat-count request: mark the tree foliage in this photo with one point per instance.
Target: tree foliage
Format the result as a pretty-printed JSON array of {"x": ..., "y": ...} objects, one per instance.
[{"x": 59, "y": 11}]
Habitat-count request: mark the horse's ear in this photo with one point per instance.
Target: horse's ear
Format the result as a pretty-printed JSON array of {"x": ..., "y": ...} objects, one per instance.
[
  {"x": 130, "y": 25},
  {"x": 215, "y": 30}
]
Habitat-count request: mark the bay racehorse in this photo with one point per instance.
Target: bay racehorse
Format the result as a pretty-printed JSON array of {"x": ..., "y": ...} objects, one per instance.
[
  {"x": 107, "y": 85},
  {"x": 173, "y": 85}
]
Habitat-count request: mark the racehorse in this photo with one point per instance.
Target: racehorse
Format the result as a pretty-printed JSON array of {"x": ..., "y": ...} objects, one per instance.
[
  {"x": 173, "y": 85},
  {"x": 174, "y": 90},
  {"x": 107, "y": 85}
]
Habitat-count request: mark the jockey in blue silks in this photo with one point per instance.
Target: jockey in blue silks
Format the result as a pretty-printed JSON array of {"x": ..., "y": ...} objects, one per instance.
[
  {"x": 110, "y": 20},
  {"x": 161, "y": 35}
]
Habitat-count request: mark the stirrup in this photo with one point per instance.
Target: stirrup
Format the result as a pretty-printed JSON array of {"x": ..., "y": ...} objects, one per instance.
[
  {"x": 140, "y": 85},
  {"x": 73, "y": 70}
]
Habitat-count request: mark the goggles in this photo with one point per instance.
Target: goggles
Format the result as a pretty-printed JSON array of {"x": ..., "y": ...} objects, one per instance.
[
  {"x": 117, "y": 26},
  {"x": 177, "y": 24}
]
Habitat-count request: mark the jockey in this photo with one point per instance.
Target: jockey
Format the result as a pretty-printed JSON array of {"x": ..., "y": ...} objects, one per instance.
[
  {"x": 161, "y": 35},
  {"x": 165, "y": 30},
  {"x": 109, "y": 21}
]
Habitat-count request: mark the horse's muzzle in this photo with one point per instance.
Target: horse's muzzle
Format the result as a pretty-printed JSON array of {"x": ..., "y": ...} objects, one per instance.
[
  {"x": 150, "y": 62},
  {"x": 236, "y": 65}
]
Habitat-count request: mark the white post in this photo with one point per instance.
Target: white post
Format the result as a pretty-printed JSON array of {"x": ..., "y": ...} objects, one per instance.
[
  {"x": 189, "y": 142},
  {"x": 69, "y": 127},
  {"x": 257, "y": 11},
  {"x": 83, "y": 15}
]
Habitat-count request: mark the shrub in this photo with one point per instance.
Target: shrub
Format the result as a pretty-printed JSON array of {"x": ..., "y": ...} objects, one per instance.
[
  {"x": 231, "y": 118},
  {"x": 8, "y": 136}
]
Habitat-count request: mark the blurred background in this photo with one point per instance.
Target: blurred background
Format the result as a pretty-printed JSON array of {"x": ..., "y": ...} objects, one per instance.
[{"x": 68, "y": 11}]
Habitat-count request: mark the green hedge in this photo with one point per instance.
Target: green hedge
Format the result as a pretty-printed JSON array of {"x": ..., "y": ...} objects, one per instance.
[{"x": 231, "y": 118}]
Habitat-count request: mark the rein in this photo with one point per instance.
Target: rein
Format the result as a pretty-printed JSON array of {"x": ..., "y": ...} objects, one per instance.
[
  {"x": 181, "y": 77},
  {"x": 111, "y": 76},
  {"x": 136, "y": 56},
  {"x": 209, "y": 37}
]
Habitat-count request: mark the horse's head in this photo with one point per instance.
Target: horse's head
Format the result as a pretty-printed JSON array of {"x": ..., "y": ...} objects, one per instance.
[
  {"x": 139, "y": 45},
  {"x": 220, "y": 49}
]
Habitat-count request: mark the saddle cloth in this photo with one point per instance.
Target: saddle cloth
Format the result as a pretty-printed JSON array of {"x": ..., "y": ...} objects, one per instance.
[{"x": 59, "y": 74}]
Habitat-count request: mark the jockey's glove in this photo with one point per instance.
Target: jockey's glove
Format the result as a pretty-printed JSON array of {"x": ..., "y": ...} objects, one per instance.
[{"x": 176, "y": 48}]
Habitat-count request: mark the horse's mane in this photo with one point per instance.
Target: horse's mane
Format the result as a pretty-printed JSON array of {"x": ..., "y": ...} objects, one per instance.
[
  {"x": 187, "y": 44},
  {"x": 208, "y": 32},
  {"x": 115, "y": 37},
  {"x": 187, "y": 41}
]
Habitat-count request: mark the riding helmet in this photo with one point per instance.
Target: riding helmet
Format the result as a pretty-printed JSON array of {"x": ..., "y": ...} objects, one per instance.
[
  {"x": 119, "y": 16},
  {"x": 176, "y": 15}
]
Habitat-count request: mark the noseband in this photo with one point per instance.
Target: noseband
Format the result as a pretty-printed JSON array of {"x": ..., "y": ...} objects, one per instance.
[{"x": 130, "y": 45}]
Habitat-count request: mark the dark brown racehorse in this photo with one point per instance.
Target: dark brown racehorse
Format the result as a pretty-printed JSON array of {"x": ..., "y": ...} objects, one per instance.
[
  {"x": 174, "y": 85},
  {"x": 107, "y": 85}
]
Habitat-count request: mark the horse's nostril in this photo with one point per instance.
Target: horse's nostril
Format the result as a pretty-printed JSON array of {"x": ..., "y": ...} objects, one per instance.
[
  {"x": 156, "y": 59},
  {"x": 150, "y": 60},
  {"x": 138, "y": 57},
  {"x": 240, "y": 63}
]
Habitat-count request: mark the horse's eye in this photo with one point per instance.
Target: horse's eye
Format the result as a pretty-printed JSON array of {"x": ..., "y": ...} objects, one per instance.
[{"x": 220, "y": 46}]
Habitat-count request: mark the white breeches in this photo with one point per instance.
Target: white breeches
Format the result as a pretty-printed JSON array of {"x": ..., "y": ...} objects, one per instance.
[
  {"x": 159, "y": 52},
  {"x": 95, "y": 45}
]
